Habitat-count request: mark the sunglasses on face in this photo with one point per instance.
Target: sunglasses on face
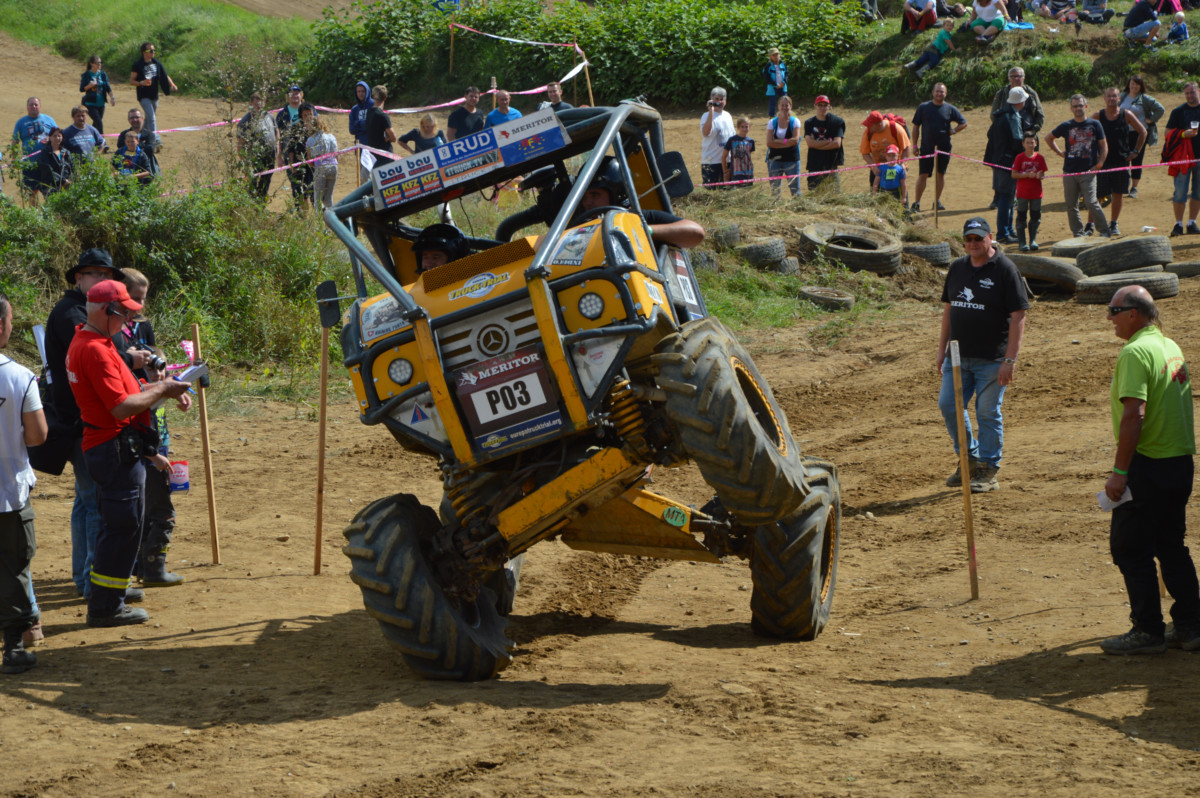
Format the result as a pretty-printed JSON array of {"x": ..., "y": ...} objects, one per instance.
[
  {"x": 1115, "y": 310},
  {"x": 972, "y": 239}
]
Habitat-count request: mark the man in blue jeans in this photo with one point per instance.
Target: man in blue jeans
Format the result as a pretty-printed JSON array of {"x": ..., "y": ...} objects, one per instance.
[
  {"x": 984, "y": 304},
  {"x": 1184, "y": 126}
]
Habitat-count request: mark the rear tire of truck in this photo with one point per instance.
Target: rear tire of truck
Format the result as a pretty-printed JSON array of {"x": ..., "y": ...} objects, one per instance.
[
  {"x": 793, "y": 564},
  {"x": 437, "y": 638},
  {"x": 728, "y": 421}
]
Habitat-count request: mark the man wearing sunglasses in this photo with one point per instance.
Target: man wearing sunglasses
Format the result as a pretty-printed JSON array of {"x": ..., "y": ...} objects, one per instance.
[
  {"x": 115, "y": 409},
  {"x": 1151, "y": 403},
  {"x": 983, "y": 308}
]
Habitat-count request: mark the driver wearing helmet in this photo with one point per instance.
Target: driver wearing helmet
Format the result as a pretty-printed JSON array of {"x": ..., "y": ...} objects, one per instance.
[
  {"x": 437, "y": 245},
  {"x": 608, "y": 189}
]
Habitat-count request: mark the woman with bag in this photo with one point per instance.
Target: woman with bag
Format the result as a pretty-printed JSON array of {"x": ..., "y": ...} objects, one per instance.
[
  {"x": 783, "y": 147},
  {"x": 97, "y": 92}
]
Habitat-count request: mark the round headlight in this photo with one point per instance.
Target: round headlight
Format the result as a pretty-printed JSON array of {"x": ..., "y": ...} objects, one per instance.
[
  {"x": 591, "y": 306},
  {"x": 400, "y": 371}
]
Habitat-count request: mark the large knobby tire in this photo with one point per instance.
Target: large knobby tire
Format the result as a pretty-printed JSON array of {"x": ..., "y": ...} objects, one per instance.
[
  {"x": 856, "y": 247},
  {"x": 1128, "y": 253},
  {"x": 728, "y": 421},
  {"x": 765, "y": 252},
  {"x": 437, "y": 639},
  {"x": 1100, "y": 290},
  {"x": 938, "y": 254},
  {"x": 1059, "y": 271},
  {"x": 794, "y": 562}
]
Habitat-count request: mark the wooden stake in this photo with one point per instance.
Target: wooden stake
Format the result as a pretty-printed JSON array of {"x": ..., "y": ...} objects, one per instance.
[
  {"x": 964, "y": 466},
  {"x": 208, "y": 469},
  {"x": 574, "y": 80},
  {"x": 493, "y": 92},
  {"x": 936, "y": 153},
  {"x": 588, "y": 76},
  {"x": 451, "y": 71},
  {"x": 321, "y": 451}
]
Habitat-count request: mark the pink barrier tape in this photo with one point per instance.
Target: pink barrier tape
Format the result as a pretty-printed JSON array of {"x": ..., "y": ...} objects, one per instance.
[
  {"x": 283, "y": 168},
  {"x": 519, "y": 41},
  {"x": 1189, "y": 164}
]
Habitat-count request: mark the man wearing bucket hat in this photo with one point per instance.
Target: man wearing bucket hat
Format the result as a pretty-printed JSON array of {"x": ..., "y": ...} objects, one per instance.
[
  {"x": 115, "y": 410},
  {"x": 93, "y": 266},
  {"x": 983, "y": 308}
]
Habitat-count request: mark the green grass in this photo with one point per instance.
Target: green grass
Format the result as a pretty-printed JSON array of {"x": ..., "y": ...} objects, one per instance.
[{"x": 208, "y": 47}]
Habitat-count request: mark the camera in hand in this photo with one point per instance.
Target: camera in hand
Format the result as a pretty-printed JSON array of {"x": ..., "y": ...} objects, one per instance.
[{"x": 152, "y": 360}]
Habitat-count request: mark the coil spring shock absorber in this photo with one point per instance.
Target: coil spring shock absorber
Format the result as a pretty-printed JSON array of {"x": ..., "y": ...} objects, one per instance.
[
  {"x": 627, "y": 418},
  {"x": 465, "y": 501}
]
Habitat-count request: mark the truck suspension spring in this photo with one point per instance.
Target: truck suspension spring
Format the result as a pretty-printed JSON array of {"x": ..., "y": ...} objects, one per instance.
[
  {"x": 627, "y": 418},
  {"x": 467, "y": 507}
]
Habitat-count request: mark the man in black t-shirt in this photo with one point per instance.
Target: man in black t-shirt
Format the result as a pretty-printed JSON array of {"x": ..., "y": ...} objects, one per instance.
[
  {"x": 1183, "y": 134},
  {"x": 983, "y": 308},
  {"x": 292, "y": 149},
  {"x": 823, "y": 135},
  {"x": 380, "y": 135},
  {"x": 933, "y": 124},
  {"x": 465, "y": 120},
  {"x": 554, "y": 100},
  {"x": 145, "y": 139},
  {"x": 1086, "y": 150}
]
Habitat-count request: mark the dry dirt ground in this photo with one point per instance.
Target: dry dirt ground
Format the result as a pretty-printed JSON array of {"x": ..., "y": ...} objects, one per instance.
[{"x": 636, "y": 677}]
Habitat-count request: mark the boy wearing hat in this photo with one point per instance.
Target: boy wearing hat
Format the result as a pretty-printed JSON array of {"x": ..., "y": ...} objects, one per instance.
[
  {"x": 115, "y": 411},
  {"x": 983, "y": 308},
  {"x": 892, "y": 177}
]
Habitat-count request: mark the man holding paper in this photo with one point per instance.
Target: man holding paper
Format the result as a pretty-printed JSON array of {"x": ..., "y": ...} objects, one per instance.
[{"x": 1151, "y": 398}]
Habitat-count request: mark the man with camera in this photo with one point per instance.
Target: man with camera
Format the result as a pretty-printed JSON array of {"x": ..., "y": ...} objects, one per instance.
[
  {"x": 716, "y": 126},
  {"x": 115, "y": 409}
]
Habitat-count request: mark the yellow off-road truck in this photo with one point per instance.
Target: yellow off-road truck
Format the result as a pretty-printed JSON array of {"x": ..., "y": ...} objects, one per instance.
[{"x": 549, "y": 373}]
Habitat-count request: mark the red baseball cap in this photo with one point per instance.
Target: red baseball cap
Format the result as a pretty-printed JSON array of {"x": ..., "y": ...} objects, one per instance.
[
  {"x": 873, "y": 118},
  {"x": 112, "y": 291},
  {"x": 892, "y": 148},
  {"x": 821, "y": 98}
]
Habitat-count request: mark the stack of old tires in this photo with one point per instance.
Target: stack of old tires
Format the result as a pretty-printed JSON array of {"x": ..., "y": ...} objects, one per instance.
[{"x": 1094, "y": 268}]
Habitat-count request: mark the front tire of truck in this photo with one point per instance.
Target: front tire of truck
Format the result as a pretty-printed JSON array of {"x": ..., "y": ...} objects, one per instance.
[
  {"x": 728, "y": 421},
  {"x": 793, "y": 564},
  {"x": 437, "y": 638}
]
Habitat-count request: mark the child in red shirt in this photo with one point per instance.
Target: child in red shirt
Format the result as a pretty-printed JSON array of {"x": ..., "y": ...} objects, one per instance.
[{"x": 1028, "y": 170}]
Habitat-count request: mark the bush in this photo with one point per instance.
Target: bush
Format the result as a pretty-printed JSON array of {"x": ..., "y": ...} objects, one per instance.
[
  {"x": 673, "y": 51},
  {"x": 214, "y": 257}
]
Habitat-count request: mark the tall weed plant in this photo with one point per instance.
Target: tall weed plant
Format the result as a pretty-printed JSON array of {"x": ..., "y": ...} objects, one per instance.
[{"x": 673, "y": 51}]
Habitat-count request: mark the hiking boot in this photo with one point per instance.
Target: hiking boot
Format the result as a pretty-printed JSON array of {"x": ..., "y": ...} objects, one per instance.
[
  {"x": 921, "y": 72},
  {"x": 1087, "y": 230},
  {"x": 992, "y": 207},
  {"x": 125, "y": 616},
  {"x": 1108, "y": 14},
  {"x": 1192, "y": 229},
  {"x": 1024, "y": 247},
  {"x": 155, "y": 573},
  {"x": 909, "y": 65},
  {"x": 983, "y": 478},
  {"x": 134, "y": 595},
  {"x": 1187, "y": 639},
  {"x": 915, "y": 207},
  {"x": 955, "y": 479},
  {"x": 1177, "y": 230},
  {"x": 1132, "y": 193},
  {"x": 1033, "y": 246},
  {"x": 1135, "y": 641},
  {"x": 33, "y": 636},
  {"x": 1113, "y": 230},
  {"x": 940, "y": 206},
  {"x": 16, "y": 659}
]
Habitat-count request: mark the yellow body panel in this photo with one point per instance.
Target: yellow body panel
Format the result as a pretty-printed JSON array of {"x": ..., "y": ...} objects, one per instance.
[
  {"x": 441, "y": 391},
  {"x": 577, "y": 491},
  {"x": 639, "y": 523}
]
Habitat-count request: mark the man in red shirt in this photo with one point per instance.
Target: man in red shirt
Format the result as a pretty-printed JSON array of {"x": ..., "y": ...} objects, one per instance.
[{"x": 115, "y": 411}]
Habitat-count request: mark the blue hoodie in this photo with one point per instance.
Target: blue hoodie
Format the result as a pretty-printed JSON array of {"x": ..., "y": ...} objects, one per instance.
[{"x": 358, "y": 114}]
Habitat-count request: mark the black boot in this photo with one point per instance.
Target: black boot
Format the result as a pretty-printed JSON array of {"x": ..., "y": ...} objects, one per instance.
[
  {"x": 16, "y": 658},
  {"x": 155, "y": 573}
]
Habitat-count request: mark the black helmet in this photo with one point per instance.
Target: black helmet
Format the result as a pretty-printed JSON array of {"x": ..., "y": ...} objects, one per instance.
[
  {"x": 444, "y": 237},
  {"x": 609, "y": 178}
]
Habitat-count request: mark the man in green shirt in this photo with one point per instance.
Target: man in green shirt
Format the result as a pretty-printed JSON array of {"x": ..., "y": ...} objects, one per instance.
[{"x": 1151, "y": 399}]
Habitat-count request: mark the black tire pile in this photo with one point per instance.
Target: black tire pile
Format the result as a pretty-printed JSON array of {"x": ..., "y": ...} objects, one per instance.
[{"x": 1093, "y": 268}]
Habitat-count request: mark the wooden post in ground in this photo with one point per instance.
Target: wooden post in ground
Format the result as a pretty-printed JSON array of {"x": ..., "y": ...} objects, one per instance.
[
  {"x": 964, "y": 466},
  {"x": 327, "y": 306},
  {"x": 451, "y": 70},
  {"x": 588, "y": 77},
  {"x": 213, "y": 533}
]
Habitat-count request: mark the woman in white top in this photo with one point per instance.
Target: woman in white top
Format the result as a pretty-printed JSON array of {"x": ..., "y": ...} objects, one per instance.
[
  {"x": 323, "y": 146},
  {"x": 988, "y": 18},
  {"x": 783, "y": 146}
]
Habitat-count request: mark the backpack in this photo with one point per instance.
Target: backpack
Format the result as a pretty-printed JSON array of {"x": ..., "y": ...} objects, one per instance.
[{"x": 895, "y": 120}]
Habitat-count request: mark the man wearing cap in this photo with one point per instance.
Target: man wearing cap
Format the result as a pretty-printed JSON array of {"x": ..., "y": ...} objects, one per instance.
[
  {"x": 1086, "y": 150},
  {"x": 1016, "y": 79},
  {"x": 291, "y": 146},
  {"x": 881, "y": 132},
  {"x": 933, "y": 125},
  {"x": 1004, "y": 143},
  {"x": 823, "y": 133},
  {"x": 115, "y": 411},
  {"x": 983, "y": 308}
]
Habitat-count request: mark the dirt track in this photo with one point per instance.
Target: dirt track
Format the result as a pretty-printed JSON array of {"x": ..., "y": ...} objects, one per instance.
[{"x": 640, "y": 678}]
